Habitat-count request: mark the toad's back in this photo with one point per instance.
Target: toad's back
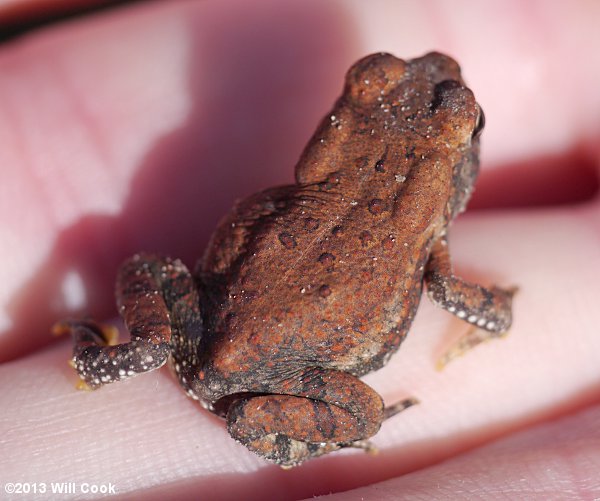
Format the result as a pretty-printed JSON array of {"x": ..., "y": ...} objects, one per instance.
[
  {"x": 328, "y": 271},
  {"x": 304, "y": 287}
]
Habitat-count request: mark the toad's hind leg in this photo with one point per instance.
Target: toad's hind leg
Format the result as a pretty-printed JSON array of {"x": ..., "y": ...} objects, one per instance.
[
  {"x": 316, "y": 412},
  {"x": 158, "y": 301},
  {"x": 489, "y": 310}
]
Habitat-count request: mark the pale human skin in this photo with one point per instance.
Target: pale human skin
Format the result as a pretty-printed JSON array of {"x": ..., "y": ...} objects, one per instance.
[{"x": 111, "y": 127}]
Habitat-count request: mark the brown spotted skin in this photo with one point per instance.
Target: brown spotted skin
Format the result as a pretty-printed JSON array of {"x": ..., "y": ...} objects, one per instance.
[{"x": 305, "y": 287}]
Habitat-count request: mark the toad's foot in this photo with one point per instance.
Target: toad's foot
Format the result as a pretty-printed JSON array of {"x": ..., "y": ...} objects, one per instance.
[
  {"x": 489, "y": 309},
  {"x": 99, "y": 360},
  {"x": 105, "y": 334},
  {"x": 470, "y": 340},
  {"x": 366, "y": 445},
  {"x": 316, "y": 412},
  {"x": 481, "y": 332},
  {"x": 159, "y": 304},
  {"x": 398, "y": 407}
]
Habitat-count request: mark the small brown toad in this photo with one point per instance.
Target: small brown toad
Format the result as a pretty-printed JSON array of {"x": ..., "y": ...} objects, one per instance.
[{"x": 304, "y": 288}]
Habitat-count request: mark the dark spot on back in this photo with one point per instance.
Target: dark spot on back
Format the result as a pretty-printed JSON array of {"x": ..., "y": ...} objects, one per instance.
[
  {"x": 337, "y": 231},
  {"x": 365, "y": 237},
  {"x": 287, "y": 240},
  {"x": 311, "y": 224},
  {"x": 376, "y": 206},
  {"x": 326, "y": 259}
]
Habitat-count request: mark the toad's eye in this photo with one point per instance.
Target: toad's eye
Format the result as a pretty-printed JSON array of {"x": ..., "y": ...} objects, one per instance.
[{"x": 480, "y": 124}]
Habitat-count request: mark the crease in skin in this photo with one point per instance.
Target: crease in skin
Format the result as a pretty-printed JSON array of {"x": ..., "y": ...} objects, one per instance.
[
  {"x": 66, "y": 126},
  {"x": 76, "y": 131},
  {"x": 553, "y": 460}
]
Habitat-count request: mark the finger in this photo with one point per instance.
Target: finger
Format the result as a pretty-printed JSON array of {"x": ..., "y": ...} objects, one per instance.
[
  {"x": 545, "y": 367},
  {"x": 569, "y": 448}
]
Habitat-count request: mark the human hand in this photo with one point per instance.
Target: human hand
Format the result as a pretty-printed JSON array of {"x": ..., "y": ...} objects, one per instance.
[{"x": 135, "y": 130}]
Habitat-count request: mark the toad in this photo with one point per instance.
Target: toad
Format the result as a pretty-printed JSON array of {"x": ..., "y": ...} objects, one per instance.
[{"x": 306, "y": 287}]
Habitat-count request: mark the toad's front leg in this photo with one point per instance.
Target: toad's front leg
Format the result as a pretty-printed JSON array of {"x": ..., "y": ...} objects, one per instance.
[
  {"x": 490, "y": 310},
  {"x": 159, "y": 303},
  {"x": 314, "y": 412}
]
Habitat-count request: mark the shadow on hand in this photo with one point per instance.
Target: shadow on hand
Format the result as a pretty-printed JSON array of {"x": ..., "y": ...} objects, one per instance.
[{"x": 272, "y": 69}]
